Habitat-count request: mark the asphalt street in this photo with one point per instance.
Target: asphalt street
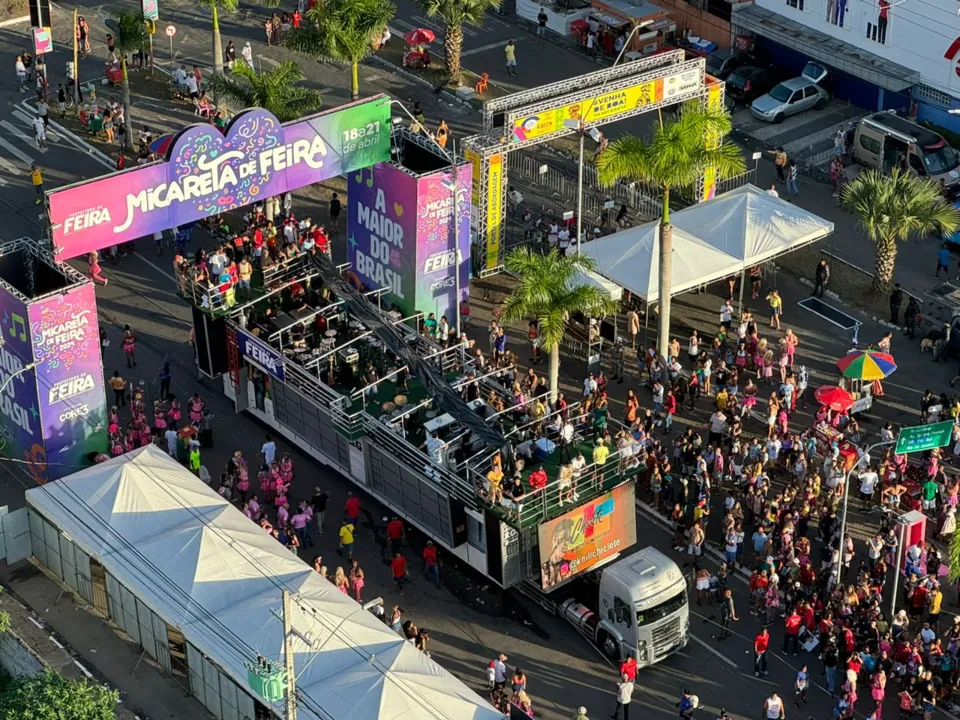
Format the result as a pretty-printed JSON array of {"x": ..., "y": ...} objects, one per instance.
[{"x": 564, "y": 670}]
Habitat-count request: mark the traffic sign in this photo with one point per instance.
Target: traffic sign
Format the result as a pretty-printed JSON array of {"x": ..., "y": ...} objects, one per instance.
[
  {"x": 171, "y": 30},
  {"x": 924, "y": 437}
]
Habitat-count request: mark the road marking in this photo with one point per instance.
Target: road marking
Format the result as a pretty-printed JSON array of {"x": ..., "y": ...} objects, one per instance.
[
  {"x": 11, "y": 168},
  {"x": 268, "y": 60},
  {"x": 16, "y": 131},
  {"x": 484, "y": 48},
  {"x": 713, "y": 650},
  {"x": 29, "y": 123},
  {"x": 324, "y": 91}
]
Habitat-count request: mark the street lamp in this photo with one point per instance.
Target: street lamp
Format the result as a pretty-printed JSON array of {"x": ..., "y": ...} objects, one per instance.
[
  {"x": 578, "y": 125},
  {"x": 846, "y": 496},
  {"x": 25, "y": 368},
  {"x": 452, "y": 186}
]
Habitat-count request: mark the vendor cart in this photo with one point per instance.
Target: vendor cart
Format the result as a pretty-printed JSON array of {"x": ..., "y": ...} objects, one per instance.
[
  {"x": 113, "y": 73},
  {"x": 862, "y": 392}
]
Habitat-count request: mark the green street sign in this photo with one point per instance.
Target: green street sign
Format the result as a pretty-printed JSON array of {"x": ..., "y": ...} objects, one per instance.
[{"x": 924, "y": 437}]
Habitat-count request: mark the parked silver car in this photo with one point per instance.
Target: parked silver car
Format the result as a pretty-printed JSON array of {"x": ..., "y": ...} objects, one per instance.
[{"x": 793, "y": 96}]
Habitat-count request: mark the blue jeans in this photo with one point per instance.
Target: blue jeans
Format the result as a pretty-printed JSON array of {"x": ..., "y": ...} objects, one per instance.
[
  {"x": 668, "y": 423},
  {"x": 433, "y": 574},
  {"x": 760, "y": 662},
  {"x": 731, "y": 557},
  {"x": 792, "y": 186},
  {"x": 831, "y": 673}
]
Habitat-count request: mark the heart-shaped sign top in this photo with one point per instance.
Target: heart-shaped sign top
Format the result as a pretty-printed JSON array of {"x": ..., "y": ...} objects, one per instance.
[{"x": 199, "y": 148}]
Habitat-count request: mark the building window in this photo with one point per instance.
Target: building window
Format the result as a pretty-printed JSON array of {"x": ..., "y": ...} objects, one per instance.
[
  {"x": 877, "y": 25},
  {"x": 798, "y": 4},
  {"x": 836, "y": 10},
  {"x": 932, "y": 95}
]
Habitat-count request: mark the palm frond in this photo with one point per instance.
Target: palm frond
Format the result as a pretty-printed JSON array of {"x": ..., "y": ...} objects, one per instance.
[
  {"x": 342, "y": 30},
  {"x": 456, "y": 13},
  {"x": 230, "y": 6},
  {"x": 275, "y": 90},
  {"x": 131, "y": 32}
]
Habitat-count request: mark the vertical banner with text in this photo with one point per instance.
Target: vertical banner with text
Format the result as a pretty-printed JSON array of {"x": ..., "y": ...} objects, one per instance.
[
  {"x": 494, "y": 210},
  {"x": 715, "y": 104},
  {"x": 436, "y": 259},
  {"x": 19, "y": 417},
  {"x": 66, "y": 346},
  {"x": 382, "y": 233}
]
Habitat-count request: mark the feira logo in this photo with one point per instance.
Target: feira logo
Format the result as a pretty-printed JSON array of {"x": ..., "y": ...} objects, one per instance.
[
  {"x": 85, "y": 220},
  {"x": 951, "y": 54},
  {"x": 438, "y": 261},
  {"x": 262, "y": 356},
  {"x": 71, "y": 387}
]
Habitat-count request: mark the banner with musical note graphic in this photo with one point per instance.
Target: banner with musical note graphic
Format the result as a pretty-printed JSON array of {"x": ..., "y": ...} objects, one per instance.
[
  {"x": 207, "y": 173},
  {"x": 19, "y": 414},
  {"x": 65, "y": 336}
]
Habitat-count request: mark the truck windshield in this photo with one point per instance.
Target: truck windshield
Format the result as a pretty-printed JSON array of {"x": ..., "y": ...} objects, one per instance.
[
  {"x": 941, "y": 160},
  {"x": 664, "y": 609}
]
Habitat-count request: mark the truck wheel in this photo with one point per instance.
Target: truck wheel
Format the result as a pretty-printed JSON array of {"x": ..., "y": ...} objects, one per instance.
[{"x": 609, "y": 647}]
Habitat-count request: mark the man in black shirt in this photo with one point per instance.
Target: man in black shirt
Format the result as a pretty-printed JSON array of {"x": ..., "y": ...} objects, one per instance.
[
  {"x": 319, "y": 504},
  {"x": 727, "y": 613},
  {"x": 335, "y": 208}
]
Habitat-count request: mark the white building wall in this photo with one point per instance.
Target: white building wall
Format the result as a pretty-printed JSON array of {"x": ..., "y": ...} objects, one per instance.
[{"x": 921, "y": 34}]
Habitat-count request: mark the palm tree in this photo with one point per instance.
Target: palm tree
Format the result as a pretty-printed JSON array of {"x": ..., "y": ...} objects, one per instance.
[
  {"x": 676, "y": 157},
  {"x": 343, "y": 31},
  {"x": 229, "y": 6},
  {"x": 893, "y": 207},
  {"x": 275, "y": 90},
  {"x": 129, "y": 35},
  {"x": 455, "y": 14},
  {"x": 549, "y": 291}
]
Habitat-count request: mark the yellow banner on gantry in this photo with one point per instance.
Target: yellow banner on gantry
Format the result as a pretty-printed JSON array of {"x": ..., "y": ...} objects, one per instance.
[{"x": 494, "y": 209}]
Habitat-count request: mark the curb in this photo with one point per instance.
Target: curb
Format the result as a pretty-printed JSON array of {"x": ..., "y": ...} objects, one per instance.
[{"x": 14, "y": 21}]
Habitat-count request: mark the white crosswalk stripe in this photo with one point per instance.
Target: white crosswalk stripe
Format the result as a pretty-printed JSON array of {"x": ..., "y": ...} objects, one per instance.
[
  {"x": 28, "y": 121},
  {"x": 23, "y": 137},
  {"x": 9, "y": 166}
]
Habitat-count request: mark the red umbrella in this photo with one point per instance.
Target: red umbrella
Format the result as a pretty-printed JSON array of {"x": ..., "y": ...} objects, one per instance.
[
  {"x": 835, "y": 398},
  {"x": 420, "y": 36}
]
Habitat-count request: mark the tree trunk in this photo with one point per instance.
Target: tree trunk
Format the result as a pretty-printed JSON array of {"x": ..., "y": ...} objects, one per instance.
[
  {"x": 886, "y": 257},
  {"x": 127, "y": 122},
  {"x": 452, "y": 47},
  {"x": 554, "y": 371},
  {"x": 354, "y": 81},
  {"x": 217, "y": 47},
  {"x": 666, "y": 275}
]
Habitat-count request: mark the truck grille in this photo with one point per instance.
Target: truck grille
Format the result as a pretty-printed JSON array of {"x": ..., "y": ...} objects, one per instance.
[{"x": 666, "y": 638}]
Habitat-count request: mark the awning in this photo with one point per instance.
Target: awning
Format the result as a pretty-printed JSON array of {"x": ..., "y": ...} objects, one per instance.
[{"x": 832, "y": 52}]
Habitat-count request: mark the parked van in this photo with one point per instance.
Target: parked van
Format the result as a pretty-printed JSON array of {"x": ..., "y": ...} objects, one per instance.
[{"x": 882, "y": 139}]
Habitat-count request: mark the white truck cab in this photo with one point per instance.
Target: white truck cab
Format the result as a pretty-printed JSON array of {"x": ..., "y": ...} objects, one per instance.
[{"x": 643, "y": 609}]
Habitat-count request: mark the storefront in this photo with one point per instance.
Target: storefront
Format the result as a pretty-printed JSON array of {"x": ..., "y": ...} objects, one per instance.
[
  {"x": 858, "y": 76},
  {"x": 560, "y": 15},
  {"x": 617, "y": 18}
]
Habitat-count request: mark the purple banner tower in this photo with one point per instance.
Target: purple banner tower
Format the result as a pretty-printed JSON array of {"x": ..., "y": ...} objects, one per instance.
[{"x": 401, "y": 232}]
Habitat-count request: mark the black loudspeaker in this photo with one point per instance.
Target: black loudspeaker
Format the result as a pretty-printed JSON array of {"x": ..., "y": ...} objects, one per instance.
[
  {"x": 458, "y": 518},
  {"x": 40, "y": 13},
  {"x": 210, "y": 336}
]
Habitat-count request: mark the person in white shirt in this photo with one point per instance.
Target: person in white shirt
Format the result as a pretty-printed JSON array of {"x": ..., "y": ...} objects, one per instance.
[
  {"x": 171, "y": 437},
  {"x": 247, "y": 54},
  {"x": 434, "y": 447},
  {"x": 718, "y": 421},
  {"x": 874, "y": 550},
  {"x": 40, "y": 131},
  {"x": 624, "y": 696},
  {"x": 190, "y": 83},
  {"x": 589, "y": 385},
  {"x": 268, "y": 450},
  {"x": 868, "y": 484},
  {"x": 726, "y": 314},
  {"x": 499, "y": 672},
  {"x": 772, "y": 192},
  {"x": 563, "y": 240},
  {"x": 180, "y": 76}
]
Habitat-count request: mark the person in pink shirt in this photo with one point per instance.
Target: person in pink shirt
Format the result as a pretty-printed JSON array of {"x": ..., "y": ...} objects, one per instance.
[
  {"x": 299, "y": 522},
  {"x": 283, "y": 515}
]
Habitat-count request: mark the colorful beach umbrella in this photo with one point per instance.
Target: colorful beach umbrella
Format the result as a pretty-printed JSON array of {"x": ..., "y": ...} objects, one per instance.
[
  {"x": 833, "y": 397},
  {"x": 866, "y": 365},
  {"x": 161, "y": 144}
]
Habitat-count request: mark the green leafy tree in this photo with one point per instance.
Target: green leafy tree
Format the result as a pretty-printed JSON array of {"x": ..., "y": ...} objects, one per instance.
[
  {"x": 893, "y": 207},
  {"x": 675, "y": 158},
  {"x": 343, "y": 31},
  {"x": 548, "y": 290},
  {"x": 228, "y": 6},
  {"x": 455, "y": 14},
  {"x": 52, "y": 697},
  {"x": 129, "y": 35},
  {"x": 275, "y": 90}
]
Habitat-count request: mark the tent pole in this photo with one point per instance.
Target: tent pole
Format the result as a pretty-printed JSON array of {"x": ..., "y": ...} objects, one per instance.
[
  {"x": 646, "y": 320},
  {"x": 743, "y": 282}
]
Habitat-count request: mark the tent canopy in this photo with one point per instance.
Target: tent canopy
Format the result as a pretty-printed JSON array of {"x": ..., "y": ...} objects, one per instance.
[
  {"x": 206, "y": 569},
  {"x": 711, "y": 240}
]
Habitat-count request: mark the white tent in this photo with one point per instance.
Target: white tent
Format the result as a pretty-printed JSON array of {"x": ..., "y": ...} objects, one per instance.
[
  {"x": 631, "y": 258},
  {"x": 752, "y": 225},
  {"x": 204, "y": 568},
  {"x": 588, "y": 277},
  {"x": 711, "y": 240}
]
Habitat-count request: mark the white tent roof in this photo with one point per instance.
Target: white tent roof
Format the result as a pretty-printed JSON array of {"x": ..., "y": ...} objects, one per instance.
[
  {"x": 711, "y": 240},
  {"x": 631, "y": 258},
  {"x": 752, "y": 225},
  {"x": 203, "y": 567},
  {"x": 588, "y": 277}
]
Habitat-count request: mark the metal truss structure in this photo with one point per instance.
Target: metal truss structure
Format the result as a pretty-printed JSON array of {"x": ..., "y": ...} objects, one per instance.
[{"x": 488, "y": 150}]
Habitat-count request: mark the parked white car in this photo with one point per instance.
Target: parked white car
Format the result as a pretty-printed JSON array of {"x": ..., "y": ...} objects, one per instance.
[{"x": 793, "y": 96}]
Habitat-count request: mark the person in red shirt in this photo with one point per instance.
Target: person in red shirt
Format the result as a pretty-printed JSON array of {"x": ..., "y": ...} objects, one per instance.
[
  {"x": 399, "y": 568},
  {"x": 295, "y": 19},
  {"x": 629, "y": 668},
  {"x": 395, "y": 534},
  {"x": 351, "y": 508},
  {"x": 670, "y": 408},
  {"x": 121, "y": 160},
  {"x": 431, "y": 564},
  {"x": 792, "y": 633},
  {"x": 538, "y": 478},
  {"x": 760, "y": 644}
]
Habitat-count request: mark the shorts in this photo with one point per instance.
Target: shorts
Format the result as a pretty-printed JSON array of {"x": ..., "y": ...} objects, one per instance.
[
  {"x": 929, "y": 504},
  {"x": 695, "y": 550},
  {"x": 703, "y": 584},
  {"x": 511, "y": 63},
  {"x": 866, "y": 496},
  {"x": 776, "y": 311}
]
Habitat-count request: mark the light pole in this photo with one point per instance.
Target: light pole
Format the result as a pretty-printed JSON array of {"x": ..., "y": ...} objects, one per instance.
[
  {"x": 846, "y": 496},
  {"x": 594, "y": 133},
  {"x": 453, "y": 187}
]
